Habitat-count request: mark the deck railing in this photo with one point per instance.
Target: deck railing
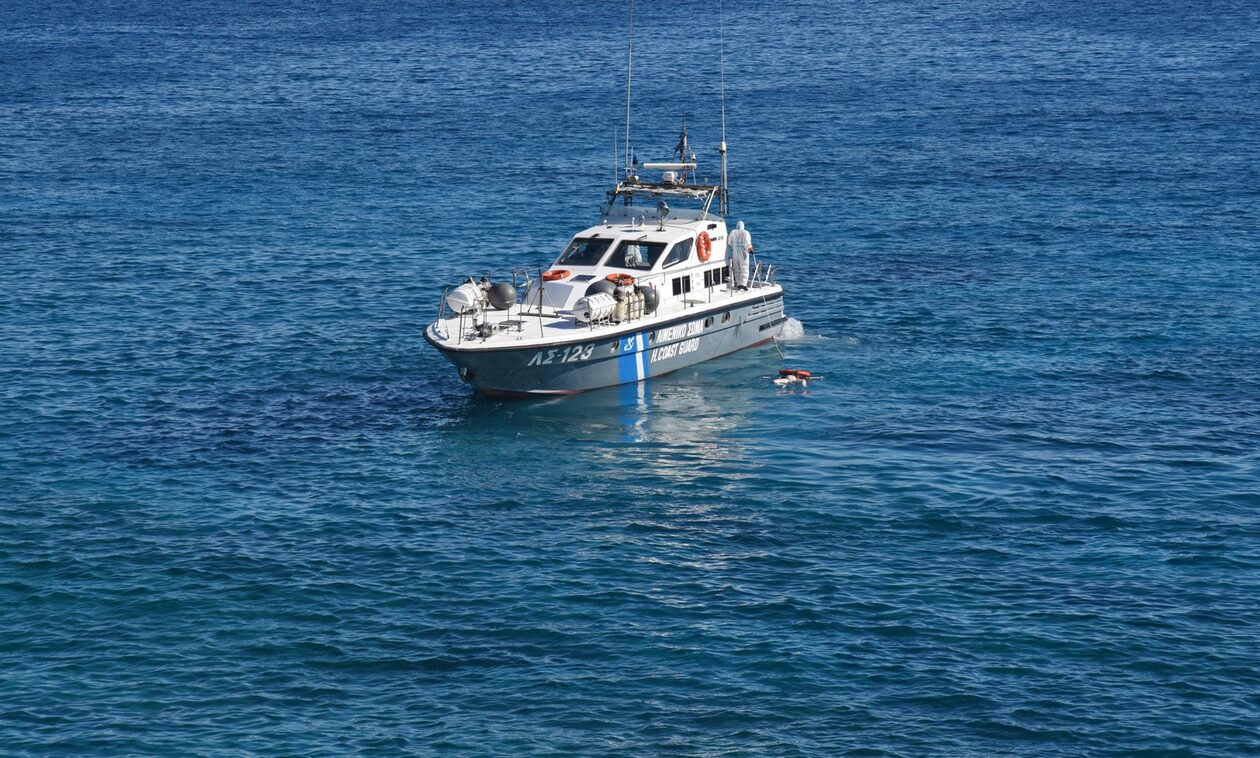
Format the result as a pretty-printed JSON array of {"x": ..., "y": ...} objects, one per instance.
[{"x": 522, "y": 280}]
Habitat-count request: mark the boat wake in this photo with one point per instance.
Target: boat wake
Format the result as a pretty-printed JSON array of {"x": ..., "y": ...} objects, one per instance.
[{"x": 793, "y": 330}]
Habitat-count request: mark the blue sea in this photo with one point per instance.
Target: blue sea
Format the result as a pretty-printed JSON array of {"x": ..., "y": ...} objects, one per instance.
[{"x": 246, "y": 510}]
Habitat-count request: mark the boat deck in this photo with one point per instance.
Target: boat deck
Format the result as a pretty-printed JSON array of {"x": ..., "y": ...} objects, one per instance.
[{"x": 526, "y": 326}]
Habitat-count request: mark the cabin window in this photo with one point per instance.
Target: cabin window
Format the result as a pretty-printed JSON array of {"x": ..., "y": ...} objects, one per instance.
[
  {"x": 708, "y": 322},
  {"x": 636, "y": 255},
  {"x": 679, "y": 253},
  {"x": 584, "y": 251},
  {"x": 682, "y": 285},
  {"x": 726, "y": 317}
]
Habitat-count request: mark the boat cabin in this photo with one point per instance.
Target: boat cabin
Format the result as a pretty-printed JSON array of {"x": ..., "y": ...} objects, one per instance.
[
  {"x": 665, "y": 259},
  {"x": 679, "y": 252}
]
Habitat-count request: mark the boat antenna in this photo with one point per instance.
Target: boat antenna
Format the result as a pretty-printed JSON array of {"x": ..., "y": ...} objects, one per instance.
[
  {"x": 629, "y": 71},
  {"x": 724, "y": 204},
  {"x": 683, "y": 147}
]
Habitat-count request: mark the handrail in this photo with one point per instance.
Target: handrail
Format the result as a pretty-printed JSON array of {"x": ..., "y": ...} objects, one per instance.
[{"x": 762, "y": 273}]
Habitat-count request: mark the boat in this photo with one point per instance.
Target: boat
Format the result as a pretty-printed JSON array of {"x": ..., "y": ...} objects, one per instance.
[{"x": 646, "y": 291}]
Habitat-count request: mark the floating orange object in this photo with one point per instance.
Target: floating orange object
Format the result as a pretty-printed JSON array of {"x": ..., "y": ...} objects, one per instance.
[{"x": 796, "y": 372}]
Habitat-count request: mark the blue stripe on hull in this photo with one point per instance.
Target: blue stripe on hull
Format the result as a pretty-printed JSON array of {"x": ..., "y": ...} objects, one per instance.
[
  {"x": 643, "y": 356},
  {"x": 628, "y": 361},
  {"x": 629, "y": 368}
]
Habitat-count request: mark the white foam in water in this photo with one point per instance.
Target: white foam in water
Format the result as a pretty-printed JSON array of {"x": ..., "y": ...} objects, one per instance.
[{"x": 793, "y": 329}]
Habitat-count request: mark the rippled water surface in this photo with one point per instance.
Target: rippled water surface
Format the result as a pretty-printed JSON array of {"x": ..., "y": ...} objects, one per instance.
[{"x": 244, "y": 509}]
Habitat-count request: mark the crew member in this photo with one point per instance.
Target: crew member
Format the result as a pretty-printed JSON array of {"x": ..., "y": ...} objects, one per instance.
[{"x": 740, "y": 245}]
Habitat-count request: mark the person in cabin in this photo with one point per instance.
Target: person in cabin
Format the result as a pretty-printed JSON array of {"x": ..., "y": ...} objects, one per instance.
[
  {"x": 634, "y": 256},
  {"x": 740, "y": 245}
]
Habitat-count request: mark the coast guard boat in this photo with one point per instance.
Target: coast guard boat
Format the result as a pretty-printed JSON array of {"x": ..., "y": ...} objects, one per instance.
[{"x": 646, "y": 291}]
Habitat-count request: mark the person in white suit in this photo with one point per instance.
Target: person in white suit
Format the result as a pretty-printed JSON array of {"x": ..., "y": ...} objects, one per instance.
[{"x": 740, "y": 245}]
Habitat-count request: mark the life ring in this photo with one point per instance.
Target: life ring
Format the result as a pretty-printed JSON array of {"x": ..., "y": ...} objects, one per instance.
[
  {"x": 621, "y": 280},
  {"x": 556, "y": 275},
  {"x": 704, "y": 247}
]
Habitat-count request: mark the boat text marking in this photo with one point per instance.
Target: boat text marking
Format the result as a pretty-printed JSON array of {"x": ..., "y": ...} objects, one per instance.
[{"x": 562, "y": 355}]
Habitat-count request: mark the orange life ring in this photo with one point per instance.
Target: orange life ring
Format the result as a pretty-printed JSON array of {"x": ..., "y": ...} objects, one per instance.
[
  {"x": 704, "y": 247},
  {"x": 551, "y": 276},
  {"x": 621, "y": 280}
]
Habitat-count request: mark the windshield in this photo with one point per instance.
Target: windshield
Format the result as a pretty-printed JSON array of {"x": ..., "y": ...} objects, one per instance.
[
  {"x": 639, "y": 256},
  {"x": 679, "y": 254},
  {"x": 583, "y": 252}
]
